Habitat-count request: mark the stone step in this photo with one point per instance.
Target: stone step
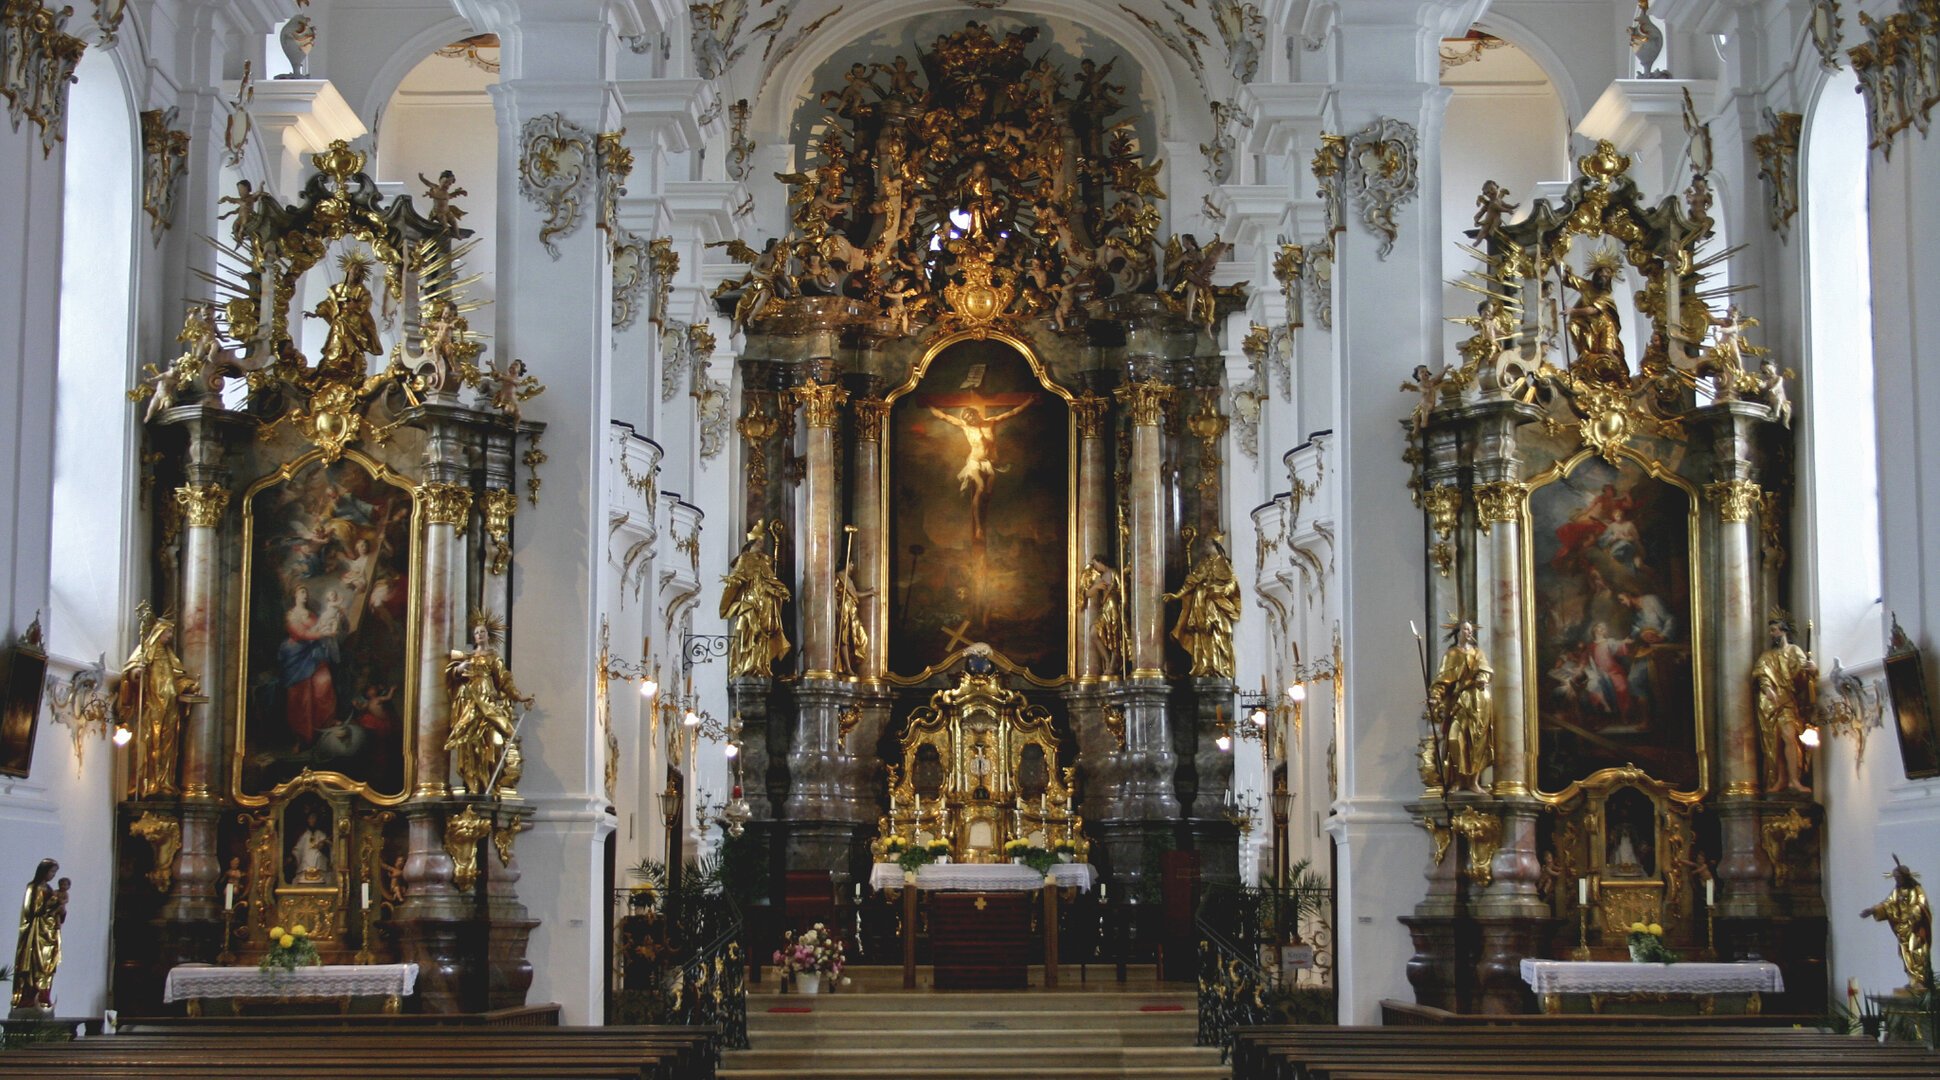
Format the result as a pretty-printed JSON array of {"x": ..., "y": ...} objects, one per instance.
[
  {"x": 979, "y": 1034},
  {"x": 969, "y": 1020},
  {"x": 994, "y": 1072},
  {"x": 997, "y": 1000}
]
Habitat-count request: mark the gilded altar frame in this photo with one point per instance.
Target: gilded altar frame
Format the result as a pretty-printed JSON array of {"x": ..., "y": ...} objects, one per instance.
[
  {"x": 977, "y": 704},
  {"x": 1700, "y": 617},
  {"x": 384, "y": 474},
  {"x": 1073, "y": 559}
]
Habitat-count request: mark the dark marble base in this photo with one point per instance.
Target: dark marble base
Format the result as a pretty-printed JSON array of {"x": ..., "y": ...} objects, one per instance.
[{"x": 1473, "y": 965}]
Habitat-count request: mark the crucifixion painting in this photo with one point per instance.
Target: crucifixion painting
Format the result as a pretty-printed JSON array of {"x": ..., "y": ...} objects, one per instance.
[{"x": 980, "y": 467}]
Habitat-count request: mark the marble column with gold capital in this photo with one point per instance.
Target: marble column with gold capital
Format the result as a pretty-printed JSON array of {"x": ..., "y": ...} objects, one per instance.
[
  {"x": 1094, "y": 512},
  {"x": 821, "y": 532},
  {"x": 1147, "y": 401},
  {"x": 866, "y": 470}
]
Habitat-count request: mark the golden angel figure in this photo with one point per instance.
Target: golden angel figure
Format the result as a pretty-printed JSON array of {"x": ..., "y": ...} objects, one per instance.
[
  {"x": 1905, "y": 910},
  {"x": 37, "y": 951},
  {"x": 1462, "y": 705},
  {"x": 1104, "y": 593},
  {"x": 1785, "y": 683},
  {"x": 483, "y": 716},
  {"x": 153, "y": 700},
  {"x": 752, "y": 598},
  {"x": 1208, "y": 608}
]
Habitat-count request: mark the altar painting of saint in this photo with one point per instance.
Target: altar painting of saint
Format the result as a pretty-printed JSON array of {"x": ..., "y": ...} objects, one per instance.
[
  {"x": 1611, "y": 550},
  {"x": 328, "y": 628},
  {"x": 979, "y": 496}
]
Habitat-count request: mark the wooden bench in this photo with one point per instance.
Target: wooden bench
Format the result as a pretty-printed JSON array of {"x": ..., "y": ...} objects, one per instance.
[
  {"x": 1557, "y": 1050},
  {"x": 226, "y": 1051}
]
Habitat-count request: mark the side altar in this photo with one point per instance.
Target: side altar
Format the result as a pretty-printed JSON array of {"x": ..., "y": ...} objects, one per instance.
[
  {"x": 1615, "y": 717},
  {"x": 325, "y": 722}
]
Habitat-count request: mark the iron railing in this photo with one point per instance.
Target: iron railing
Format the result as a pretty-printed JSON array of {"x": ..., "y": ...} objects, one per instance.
[
  {"x": 657, "y": 978},
  {"x": 1265, "y": 956}
]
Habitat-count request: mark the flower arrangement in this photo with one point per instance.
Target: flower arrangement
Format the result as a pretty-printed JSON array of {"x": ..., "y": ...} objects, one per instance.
[
  {"x": 1023, "y": 851},
  {"x": 814, "y": 951},
  {"x": 289, "y": 949},
  {"x": 915, "y": 856},
  {"x": 1647, "y": 944},
  {"x": 1066, "y": 850},
  {"x": 893, "y": 847}
]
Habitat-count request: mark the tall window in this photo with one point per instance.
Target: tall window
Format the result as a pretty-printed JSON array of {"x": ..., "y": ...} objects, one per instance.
[
  {"x": 1843, "y": 455},
  {"x": 92, "y": 422}
]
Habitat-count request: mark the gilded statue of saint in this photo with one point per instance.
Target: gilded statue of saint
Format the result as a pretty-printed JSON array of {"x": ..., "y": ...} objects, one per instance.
[
  {"x": 1785, "y": 684},
  {"x": 851, "y": 634},
  {"x": 752, "y": 597},
  {"x": 346, "y": 309},
  {"x": 1462, "y": 706},
  {"x": 1595, "y": 327},
  {"x": 1208, "y": 608},
  {"x": 37, "y": 952},
  {"x": 979, "y": 469},
  {"x": 153, "y": 699},
  {"x": 1104, "y": 595},
  {"x": 483, "y": 716},
  {"x": 1905, "y": 910}
]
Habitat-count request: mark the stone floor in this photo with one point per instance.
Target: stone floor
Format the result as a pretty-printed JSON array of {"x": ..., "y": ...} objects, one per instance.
[{"x": 872, "y": 1029}]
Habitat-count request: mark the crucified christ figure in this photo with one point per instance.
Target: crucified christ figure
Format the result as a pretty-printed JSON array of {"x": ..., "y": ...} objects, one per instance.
[{"x": 980, "y": 432}]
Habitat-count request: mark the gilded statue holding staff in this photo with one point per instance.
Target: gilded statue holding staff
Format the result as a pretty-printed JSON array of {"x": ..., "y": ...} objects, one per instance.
[
  {"x": 1104, "y": 594},
  {"x": 484, "y": 715},
  {"x": 752, "y": 597},
  {"x": 1208, "y": 608},
  {"x": 1462, "y": 706},
  {"x": 1785, "y": 683}
]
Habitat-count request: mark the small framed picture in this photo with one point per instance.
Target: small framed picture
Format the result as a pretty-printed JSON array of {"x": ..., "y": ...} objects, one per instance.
[
  {"x": 1913, "y": 716},
  {"x": 23, "y": 678}
]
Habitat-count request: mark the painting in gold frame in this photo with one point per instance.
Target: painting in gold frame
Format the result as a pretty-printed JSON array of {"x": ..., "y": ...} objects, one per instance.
[
  {"x": 979, "y": 509},
  {"x": 1613, "y": 634},
  {"x": 328, "y": 655}
]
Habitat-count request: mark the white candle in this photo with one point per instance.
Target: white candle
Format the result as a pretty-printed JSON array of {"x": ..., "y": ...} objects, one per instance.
[
  {"x": 1413, "y": 629},
  {"x": 919, "y": 805},
  {"x": 1102, "y": 888},
  {"x": 229, "y": 897},
  {"x": 1583, "y": 892},
  {"x": 858, "y": 891},
  {"x": 365, "y": 888},
  {"x": 1710, "y": 892}
]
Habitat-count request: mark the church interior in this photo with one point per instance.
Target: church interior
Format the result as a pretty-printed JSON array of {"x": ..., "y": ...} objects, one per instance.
[{"x": 1194, "y": 537}]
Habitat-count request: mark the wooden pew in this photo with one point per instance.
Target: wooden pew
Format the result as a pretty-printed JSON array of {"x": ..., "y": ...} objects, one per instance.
[
  {"x": 219, "y": 1052},
  {"x": 1552, "y": 1050}
]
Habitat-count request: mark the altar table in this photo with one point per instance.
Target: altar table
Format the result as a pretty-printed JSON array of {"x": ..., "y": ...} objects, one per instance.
[
  {"x": 983, "y": 877},
  {"x": 340, "y": 982},
  {"x": 1551, "y": 979}
]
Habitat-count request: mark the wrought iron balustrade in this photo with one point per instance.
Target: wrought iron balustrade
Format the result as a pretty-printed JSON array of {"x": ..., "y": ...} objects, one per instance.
[{"x": 1265, "y": 956}]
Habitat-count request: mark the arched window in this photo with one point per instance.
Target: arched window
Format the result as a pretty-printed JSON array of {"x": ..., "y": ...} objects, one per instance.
[
  {"x": 1842, "y": 455},
  {"x": 92, "y": 423}
]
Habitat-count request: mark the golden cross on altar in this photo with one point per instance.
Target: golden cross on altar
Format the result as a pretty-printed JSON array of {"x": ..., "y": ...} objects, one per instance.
[
  {"x": 980, "y": 902},
  {"x": 959, "y": 637}
]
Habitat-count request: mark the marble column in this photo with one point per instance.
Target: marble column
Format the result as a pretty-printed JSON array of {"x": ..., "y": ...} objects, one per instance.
[
  {"x": 1147, "y": 401},
  {"x": 202, "y": 502},
  {"x": 819, "y": 541},
  {"x": 1731, "y": 499},
  {"x": 865, "y": 470},
  {"x": 1094, "y": 517}
]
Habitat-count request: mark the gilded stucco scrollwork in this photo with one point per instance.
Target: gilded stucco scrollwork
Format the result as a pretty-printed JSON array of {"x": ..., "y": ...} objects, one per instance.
[
  {"x": 499, "y": 505},
  {"x": 1778, "y": 166},
  {"x": 821, "y": 403},
  {"x": 614, "y": 164},
  {"x": 1147, "y": 400},
  {"x": 1899, "y": 70},
  {"x": 165, "y": 156},
  {"x": 1329, "y": 168},
  {"x": 445, "y": 504},
  {"x": 557, "y": 164},
  {"x": 164, "y": 836},
  {"x": 1443, "y": 504},
  {"x": 37, "y": 61},
  {"x": 631, "y": 270},
  {"x": 462, "y": 834},
  {"x": 1499, "y": 502},
  {"x": 1382, "y": 174}
]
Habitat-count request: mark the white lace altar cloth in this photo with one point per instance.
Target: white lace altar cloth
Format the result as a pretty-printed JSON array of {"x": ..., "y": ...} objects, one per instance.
[
  {"x": 1615, "y": 977},
  {"x": 985, "y": 877},
  {"x": 188, "y": 981}
]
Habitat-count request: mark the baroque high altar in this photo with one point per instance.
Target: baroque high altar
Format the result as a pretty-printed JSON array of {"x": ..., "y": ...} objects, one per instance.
[{"x": 1008, "y": 489}]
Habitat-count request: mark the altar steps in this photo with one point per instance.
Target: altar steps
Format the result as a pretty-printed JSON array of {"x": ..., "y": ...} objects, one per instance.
[{"x": 1141, "y": 1030}]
